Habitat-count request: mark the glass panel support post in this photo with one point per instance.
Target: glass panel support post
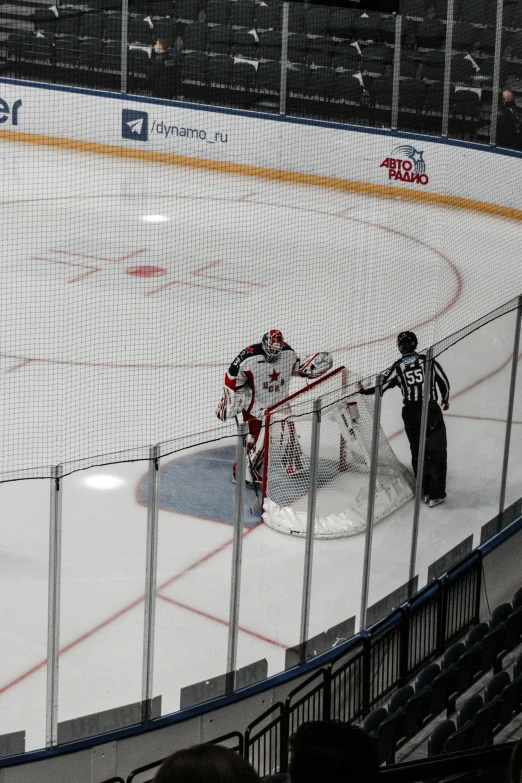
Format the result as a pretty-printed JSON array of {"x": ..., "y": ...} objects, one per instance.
[
  {"x": 447, "y": 67},
  {"x": 396, "y": 72},
  {"x": 151, "y": 572},
  {"x": 237, "y": 555},
  {"x": 53, "y": 608},
  {"x": 284, "y": 59},
  {"x": 370, "y": 513},
  {"x": 310, "y": 528},
  {"x": 496, "y": 74},
  {"x": 124, "y": 44},
  {"x": 428, "y": 370},
  {"x": 509, "y": 417}
]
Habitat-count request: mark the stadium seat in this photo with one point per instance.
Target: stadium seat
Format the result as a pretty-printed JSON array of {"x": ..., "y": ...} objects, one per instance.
[
  {"x": 298, "y": 48},
  {"x": 412, "y": 93},
  {"x": 242, "y": 13},
  {"x": 244, "y": 76},
  {"x": 385, "y": 737},
  {"x": 368, "y": 26},
  {"x": 485, "y": 41},
  {"x": 164, "y": 28},
  {"x": 376, "y": 58},
  {"x": 268, "y": 17},
  {"x": 439, "y": 737},
  {"x": 270, "y": 45},
  {"x": 219, "y": 39},
  {"x": 387, "y": 34},
  {"x": 317, "y": 20},
  {"x": 160, "y": 8},
  {"x": 382, "y": 91},
  {"x": 414, "y": 8},
  {"x": 195, "y": 67},
  {"x": 297, "y": 79},
  {"x": 462, "y": 68},
  {"x": 513, "y": 629},
  {"x": 460, "y": 740},
  {"x": 244, "y": 45},
  {"x": 90, "y": 53},
  {"x": 464, "y": 35},
  {"x": 93, "y": 24},
  {"x": 113, "y": 27},
  {"x": 321, "y": 83},
  {"x": 517, "y": 666},
  {"x": 188, "y": 10},
  {"x": 194, "y": 37},
  {"x": 69, "y": 21},
  {"x": 218, "y": 11},
  {"x": 483, "y": 724},
  {"x": 348, "y": 88},
  {"x": 495, "y": 686},
  {"x": 430, "y": 34},
  {"x": 45, "y": 19},
  {"x": 111, "y": 60},
  {"x": 296, "y": 18},
  {"x": 320, "y": 52},
  {"x": 67, "y": 51},
  {"x": 42, "y": 49},
  {"x": 433, "y": 65},
  {"x": 500, "y": 614},
  {"x": 468, "y": 709},
  {"x": 343, "y": 22},
  {"x": 517, "y": 599},
  {"x": 476, "y": 634},
  {"x": 492, "y": 643},
  {"x": 140, "y": 31},
  {"x": 220, "y": 70},
  {"x": 268, "y": 77},
  {"x": 410, "y": 63},
  {"x": 138, "y": 62},
  {"x": 474, "y": 11},
  {"x": 346, "y": 56}
]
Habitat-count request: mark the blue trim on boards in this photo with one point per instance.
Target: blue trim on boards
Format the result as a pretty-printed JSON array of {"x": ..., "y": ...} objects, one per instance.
[{"x": 264, "y": 116}]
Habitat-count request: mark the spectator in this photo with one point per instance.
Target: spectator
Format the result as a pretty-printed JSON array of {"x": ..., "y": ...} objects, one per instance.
[
  {"x": 331, "y": 753},
  {"x": 163, "y": 77},
  {"x": 206, "y": 764},
  {"x": 516, "y": 763},
  {"x": 509, "y": 123}
]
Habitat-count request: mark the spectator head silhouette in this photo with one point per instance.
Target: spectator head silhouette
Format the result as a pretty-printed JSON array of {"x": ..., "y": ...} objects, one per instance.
[
  {"x": 332, "y": 753},
  {"x": 206, "y": 764}
]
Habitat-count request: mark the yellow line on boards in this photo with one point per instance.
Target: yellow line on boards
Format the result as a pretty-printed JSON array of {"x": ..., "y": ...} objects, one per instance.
[{"x": 242, "y": 169}]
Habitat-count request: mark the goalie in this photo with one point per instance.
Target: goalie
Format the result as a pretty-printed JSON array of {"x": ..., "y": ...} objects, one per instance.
[{"x": 258, "y": 378}]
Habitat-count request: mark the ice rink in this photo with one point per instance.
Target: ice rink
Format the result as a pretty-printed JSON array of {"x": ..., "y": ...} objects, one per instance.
[{"x": 127, "y": 288}]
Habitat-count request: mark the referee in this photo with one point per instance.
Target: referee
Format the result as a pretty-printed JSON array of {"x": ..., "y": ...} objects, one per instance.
[{"x": 408, "y": 373}]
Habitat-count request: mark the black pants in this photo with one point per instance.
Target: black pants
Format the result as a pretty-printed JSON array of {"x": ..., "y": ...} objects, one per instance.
[{"x": 435, "y": 458}]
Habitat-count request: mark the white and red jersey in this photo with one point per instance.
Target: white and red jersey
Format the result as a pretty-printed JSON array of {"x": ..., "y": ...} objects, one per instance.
[{"x": 268, "y": 381}]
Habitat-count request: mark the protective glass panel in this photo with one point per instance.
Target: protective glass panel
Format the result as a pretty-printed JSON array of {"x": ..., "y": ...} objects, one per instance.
[
  {"x": 423, "y": 35},
  {"x": 102, "y": 588},
  {"x": 24, "y": 565},
  {"x": 196, "y": 514},
  {"x": 514, "y": 478},
  {"x": 478, "y": 370}
]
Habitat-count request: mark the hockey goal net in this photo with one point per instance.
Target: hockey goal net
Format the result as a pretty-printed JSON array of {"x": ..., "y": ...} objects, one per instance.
[{"x": 343, "y": 467}]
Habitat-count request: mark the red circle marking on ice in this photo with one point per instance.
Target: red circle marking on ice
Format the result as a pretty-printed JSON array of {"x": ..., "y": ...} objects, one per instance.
[{"x": 146, "y": 271}]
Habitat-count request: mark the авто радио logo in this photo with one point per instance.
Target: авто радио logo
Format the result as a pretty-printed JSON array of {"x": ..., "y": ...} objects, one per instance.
[
  {"x": 406, "y": 164},
  {"x": 134, "y": 125}
]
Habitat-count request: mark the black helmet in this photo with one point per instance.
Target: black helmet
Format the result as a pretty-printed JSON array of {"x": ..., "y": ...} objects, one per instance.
[{"x": 408, "y": 340}]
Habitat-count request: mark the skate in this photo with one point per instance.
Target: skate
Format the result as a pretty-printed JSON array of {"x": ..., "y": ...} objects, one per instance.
[{"x": 436, "y": 501}]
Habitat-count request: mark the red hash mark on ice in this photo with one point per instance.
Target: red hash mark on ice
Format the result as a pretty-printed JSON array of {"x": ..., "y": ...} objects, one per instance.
[
  {"x": 92, "y": 269},
  {"x": 202, "y": 272}
]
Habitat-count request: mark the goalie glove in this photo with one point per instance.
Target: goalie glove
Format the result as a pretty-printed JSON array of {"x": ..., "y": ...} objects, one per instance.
[
  {"x": 230, "y": 404},
  {"x": 316, "y": 365}
]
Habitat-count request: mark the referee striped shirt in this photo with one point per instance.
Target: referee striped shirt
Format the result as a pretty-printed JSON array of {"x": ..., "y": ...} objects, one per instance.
[{"x": 408, "y": 374}]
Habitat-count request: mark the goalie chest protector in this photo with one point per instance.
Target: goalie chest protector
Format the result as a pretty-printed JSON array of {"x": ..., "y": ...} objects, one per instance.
[{"x": 269, "y": 381}]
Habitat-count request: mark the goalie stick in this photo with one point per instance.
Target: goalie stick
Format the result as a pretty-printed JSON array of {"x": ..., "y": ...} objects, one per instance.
[{"x": 255, "y": 508}]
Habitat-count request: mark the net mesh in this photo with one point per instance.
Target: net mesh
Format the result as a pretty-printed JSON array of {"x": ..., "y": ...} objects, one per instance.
[
  {"x": 129, "y": 284},
  {"x": 344, "y": 458}
]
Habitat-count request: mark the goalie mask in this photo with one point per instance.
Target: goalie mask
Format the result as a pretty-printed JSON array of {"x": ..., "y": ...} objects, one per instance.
[
  {"x": 408, "y": 340},
  {"x": 272, "y": 343}
]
